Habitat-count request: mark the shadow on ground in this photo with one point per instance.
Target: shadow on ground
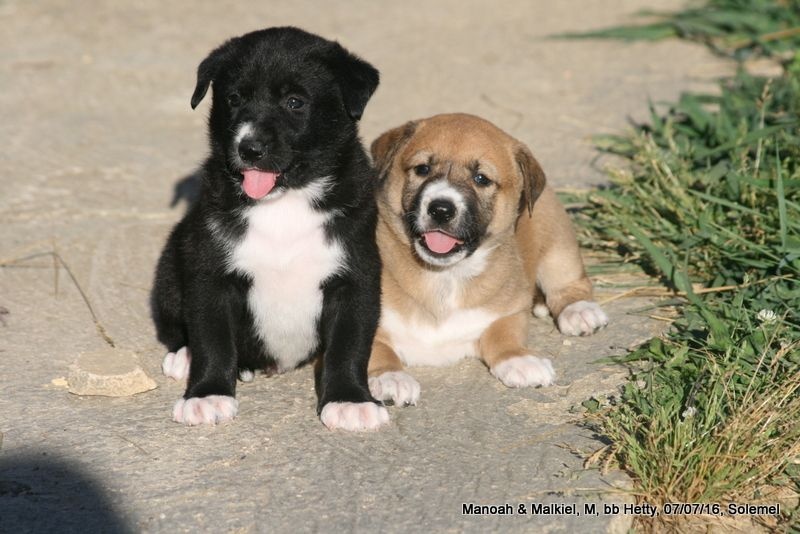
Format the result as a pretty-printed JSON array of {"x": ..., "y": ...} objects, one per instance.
[{"x": 42, "y": 493}]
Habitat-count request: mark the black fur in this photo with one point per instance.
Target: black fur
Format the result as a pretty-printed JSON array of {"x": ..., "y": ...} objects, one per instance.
[
  {"x": 470, "y": 227},
  {"x": 197, "y": 301}
]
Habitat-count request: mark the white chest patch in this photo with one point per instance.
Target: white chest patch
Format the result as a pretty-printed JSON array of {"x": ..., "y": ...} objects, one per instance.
[
  {"x": 421, "y": 342},
  {"x": 288, "y": 257}
]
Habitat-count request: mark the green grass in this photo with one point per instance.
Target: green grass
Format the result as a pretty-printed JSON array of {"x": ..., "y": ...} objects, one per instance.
[
  {"x": 736, "y": 28},
  {"x": 709, "y": 203}
]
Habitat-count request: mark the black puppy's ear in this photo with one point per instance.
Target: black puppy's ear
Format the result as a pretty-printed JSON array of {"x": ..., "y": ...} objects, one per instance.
[
  {"x": 533, "y": 179},
  {"x": 385, "y": 148},
  {"x": 356, "y": 78},
  {"x": 210, "y": 67}
]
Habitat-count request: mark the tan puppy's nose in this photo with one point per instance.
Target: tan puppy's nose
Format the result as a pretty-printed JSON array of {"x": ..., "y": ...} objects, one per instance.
[{"x": 441, "y": 210}]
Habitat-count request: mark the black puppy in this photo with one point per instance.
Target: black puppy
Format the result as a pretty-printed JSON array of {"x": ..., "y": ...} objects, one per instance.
[{"x": 276, "y": 262}]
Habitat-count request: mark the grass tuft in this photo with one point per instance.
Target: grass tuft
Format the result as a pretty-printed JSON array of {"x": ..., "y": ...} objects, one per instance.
[
  {"x": 710, "y": 204},
  {"x": 736, "y": 28}
]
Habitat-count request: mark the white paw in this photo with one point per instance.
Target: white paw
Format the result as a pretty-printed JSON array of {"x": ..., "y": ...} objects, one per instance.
[
  {"x": 523, "y": 371},
  {"x": 353, "y": 415},
  {"x": 582, "y": 318},
  {"x": 176, "y": 364},
  {"x": 205, "y": 410},
  {"x": 246, "y": 375},
  {"x": 541, "y": 310},
  {"x": 396, "y": 386}
]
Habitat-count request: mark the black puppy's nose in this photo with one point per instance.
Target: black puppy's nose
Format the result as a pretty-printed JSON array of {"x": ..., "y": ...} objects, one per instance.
[
  {"x": 251, "y": 150},
  {"x": 441, "y": 210}
]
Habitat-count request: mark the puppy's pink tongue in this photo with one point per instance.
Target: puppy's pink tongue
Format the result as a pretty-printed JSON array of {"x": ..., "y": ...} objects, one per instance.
[
  {"x": 440, "y": 243},
  {"x": 257, "y": 184}
]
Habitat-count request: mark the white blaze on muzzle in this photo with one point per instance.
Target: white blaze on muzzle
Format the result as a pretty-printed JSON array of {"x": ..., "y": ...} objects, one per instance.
[
  {"x": 435, "y": 240},
  {"x": 245, "y": 129},
  {"x": 256, "y": 183}
]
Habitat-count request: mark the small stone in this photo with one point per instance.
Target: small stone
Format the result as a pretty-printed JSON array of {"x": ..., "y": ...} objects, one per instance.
[
  {"x": 59, "y": 382},
  {"x": 108, "y": 372}
]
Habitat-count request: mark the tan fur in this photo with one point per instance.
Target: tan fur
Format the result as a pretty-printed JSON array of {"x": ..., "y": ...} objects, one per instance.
[
  {"x": 547, "y": 243},
  {"x": 505, "y": 338},
  {"x": 531, "y": 243}
]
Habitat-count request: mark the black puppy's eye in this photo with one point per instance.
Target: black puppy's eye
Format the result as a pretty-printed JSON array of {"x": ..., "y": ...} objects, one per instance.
[
  {"x": 294, "y": 103},
  {"x": 422, "y": 170},
  {"x": 234, "y": 99},
  {"x": 481, "y": 180}
]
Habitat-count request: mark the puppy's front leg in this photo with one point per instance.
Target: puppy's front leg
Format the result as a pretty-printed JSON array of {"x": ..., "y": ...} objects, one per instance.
[
  {"x": 209, "y": 397},
  {"x": 502, "y": 347},
  {"x": 387, "y": 380},
  {"x": 349, "y": 320}
]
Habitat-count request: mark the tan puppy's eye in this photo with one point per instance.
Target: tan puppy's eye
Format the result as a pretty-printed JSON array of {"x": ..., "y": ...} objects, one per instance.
[
  {"x": 481, "y": 180},
  {"x": 422, "y": 170}
]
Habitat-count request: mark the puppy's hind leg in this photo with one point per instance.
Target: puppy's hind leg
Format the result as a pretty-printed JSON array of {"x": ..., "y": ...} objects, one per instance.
[
  {"x": 176, "y": 364},
  {"x": 570, "y": 301},
  {"x": 387, "y": 379},
  {"x": 166, "y": 308},
  {"x": 502, "y": 347},
  {"x": 553, "y": 261},
  {"x": 540, "y": 308}
]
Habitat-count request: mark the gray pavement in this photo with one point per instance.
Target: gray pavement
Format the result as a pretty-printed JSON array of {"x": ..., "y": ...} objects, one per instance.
[{"x": 96, "y": 130}]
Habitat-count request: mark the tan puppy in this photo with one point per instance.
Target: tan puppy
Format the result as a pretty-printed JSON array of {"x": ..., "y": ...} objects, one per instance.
[{"x": 470, "y": 238}]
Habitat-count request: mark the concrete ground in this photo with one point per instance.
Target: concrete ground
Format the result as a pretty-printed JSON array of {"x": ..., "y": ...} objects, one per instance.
[{"x": 96, "y": 130}]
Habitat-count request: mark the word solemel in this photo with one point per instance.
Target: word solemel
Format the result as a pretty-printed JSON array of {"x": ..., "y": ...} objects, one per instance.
[{"x": 602, "y": 509}]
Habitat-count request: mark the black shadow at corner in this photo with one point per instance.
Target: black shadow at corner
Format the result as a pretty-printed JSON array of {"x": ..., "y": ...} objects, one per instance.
[{"x": 39, "y": 493}]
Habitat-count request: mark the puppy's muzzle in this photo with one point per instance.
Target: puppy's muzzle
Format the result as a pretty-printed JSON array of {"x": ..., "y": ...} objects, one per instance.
[
  {"x": 251, "y": 151},
  {"x": 259, "y": 177},
  {"x": 438, "y": 228},
  {"x": 441, "y": 210}
]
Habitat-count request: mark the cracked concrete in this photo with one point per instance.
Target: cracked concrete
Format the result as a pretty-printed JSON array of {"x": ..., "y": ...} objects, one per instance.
[{"x": 96, "y": 132}]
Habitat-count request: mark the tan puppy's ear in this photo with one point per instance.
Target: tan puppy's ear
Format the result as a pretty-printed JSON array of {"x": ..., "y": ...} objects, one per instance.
[
  {"x": 533, "y": 179},
  {"x": 386, "y": 147}
]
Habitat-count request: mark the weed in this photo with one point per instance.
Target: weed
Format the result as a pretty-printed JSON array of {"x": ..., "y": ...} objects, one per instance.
[
  {"x": 736, "y": 28},
  {"x": 710, "y": 203}
]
